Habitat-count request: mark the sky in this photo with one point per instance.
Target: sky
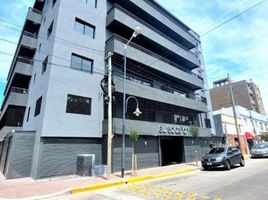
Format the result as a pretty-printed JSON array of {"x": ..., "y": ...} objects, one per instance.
[{"x": 239, "y": 47}]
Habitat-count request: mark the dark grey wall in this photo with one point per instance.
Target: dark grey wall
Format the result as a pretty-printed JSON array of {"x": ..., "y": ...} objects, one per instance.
[
  {"x": 146, "y": 149},
  {"x": 58, "y": 155},
  {"x": 199, "y": 144},
  {"x": 20, "y": 155},
  {"x": 17, "y": 154}
]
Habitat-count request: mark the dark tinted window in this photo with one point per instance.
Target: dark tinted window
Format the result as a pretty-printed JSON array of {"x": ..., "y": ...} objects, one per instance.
[
  {"x": 81, "y": 63},
  {"x": 38, "y": 105},
  {"x": 50, "y": 29},
  {"x": 216, "y": 150},
  {"x": 259, "y": 146},
  {"x": 78, "y": 105},
  {"x": 44, "y": 65}
]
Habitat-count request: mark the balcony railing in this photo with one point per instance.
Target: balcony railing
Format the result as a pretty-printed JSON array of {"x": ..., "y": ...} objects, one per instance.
[
  {"x": 24, "y": 60},
  {"x": 19, "y": 90},
  {"x": 29, "y": 34},
  {"x": 160, "y": 86},
  {"x": 153, "y": 55},
  {"x": 35, "y": 11},
  {"x": 149, "y": 26}
]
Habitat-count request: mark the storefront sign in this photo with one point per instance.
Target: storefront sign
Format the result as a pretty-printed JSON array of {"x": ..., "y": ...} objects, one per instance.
[{"x": 173, "y": 130}]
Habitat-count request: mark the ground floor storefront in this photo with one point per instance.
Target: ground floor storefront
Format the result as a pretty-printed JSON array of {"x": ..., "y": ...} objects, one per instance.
[{"x": 23, "y": 156}]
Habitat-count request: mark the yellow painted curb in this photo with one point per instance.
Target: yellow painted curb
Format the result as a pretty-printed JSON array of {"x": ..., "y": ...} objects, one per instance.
[
  {"x": 96, "y": 186},
  {"x": 122, "y": 182}
]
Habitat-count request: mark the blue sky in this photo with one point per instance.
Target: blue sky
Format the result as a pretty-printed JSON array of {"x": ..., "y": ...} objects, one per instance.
[{"x": 238, "y": 47}]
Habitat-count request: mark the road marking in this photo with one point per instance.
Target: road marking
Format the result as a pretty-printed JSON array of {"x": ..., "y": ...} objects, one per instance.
[{"x": 161, "y": 193}]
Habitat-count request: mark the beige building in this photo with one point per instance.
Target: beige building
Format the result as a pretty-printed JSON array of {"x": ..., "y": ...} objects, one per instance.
[{"x": 246, "y": 94}]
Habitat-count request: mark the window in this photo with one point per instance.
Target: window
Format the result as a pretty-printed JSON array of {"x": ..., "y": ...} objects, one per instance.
[
  {"x": 38, "y": 105},
  {"x": 91, "y": 3},
  {"x": 50, "y": 29},
  {"x": 53, "y": 2},
  {"x": 81, "y": 63},
  {"x": 28, "y": 114},
  {"x": 34, "y": 79},
  {"x": 39, "y": 48},
  {"x": 78, "y": 105},
  {"x": 84, "y": 28},
  {"x": 44, "y": 65}
]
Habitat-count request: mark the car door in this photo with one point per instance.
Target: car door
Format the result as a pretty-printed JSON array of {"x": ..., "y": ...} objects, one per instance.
[
  {"x": 230, "y": 155},
  {"x": 236, "y": 155}
]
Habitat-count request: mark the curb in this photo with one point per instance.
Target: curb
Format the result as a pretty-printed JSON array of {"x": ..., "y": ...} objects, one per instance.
[{"x": 88, "y": 188}]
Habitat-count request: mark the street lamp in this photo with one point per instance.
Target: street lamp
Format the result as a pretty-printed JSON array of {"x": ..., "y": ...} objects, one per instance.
[{"x": 136, "y": 32}]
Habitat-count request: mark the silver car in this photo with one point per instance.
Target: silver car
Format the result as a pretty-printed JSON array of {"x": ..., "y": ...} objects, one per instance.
[{"x": 259, "y": 150}]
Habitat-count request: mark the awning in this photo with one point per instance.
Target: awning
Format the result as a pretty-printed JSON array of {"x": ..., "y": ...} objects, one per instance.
[{"x": 250, "y": 135}]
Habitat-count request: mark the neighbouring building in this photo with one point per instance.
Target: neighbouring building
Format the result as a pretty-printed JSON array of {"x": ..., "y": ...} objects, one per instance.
[
  {"x": 246, "y": 94},
  {"x": 54, "y": 107},
  {"x": 250, "y": 124}
]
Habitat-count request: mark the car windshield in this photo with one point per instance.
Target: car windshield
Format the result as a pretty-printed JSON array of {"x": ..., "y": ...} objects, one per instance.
[
  {"x": 259, "y": 146},
  {"x": 216, "y": 150}
]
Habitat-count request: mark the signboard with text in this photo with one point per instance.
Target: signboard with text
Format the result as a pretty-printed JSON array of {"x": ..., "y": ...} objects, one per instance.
[{"x": 173, "y": 130}]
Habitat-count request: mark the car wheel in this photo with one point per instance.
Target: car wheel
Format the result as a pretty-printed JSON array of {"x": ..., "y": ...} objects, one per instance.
[
  {"x": 242, "y": 162},
  {"x": 228, "y": 165}
]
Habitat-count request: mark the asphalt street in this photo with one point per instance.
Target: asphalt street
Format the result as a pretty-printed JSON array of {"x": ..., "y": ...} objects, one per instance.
[{"x": 240, "y": 183}]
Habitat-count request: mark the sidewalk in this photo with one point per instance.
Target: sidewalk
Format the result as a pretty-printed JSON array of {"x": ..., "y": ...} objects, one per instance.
[{"x": 27, "y": 187}]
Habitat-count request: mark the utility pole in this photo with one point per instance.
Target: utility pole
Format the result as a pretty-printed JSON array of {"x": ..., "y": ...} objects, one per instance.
[
  {"x": 110, "y": 133},
  {"x": 234, "y": 110}
]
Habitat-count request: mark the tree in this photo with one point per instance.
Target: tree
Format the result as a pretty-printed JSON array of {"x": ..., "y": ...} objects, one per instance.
[
  {"x": 194, "y": 130},
  {"x": 133, "y": 135}
]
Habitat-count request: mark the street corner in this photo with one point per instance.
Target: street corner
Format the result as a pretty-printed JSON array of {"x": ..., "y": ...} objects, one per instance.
[{"x": 162, "y": 193}]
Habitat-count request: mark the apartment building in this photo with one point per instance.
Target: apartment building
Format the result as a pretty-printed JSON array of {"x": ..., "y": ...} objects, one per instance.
[
  {"x": 246, "y": 94},
  {"x": 54, "y": 107},
  {"x": 250, "y": 126}
]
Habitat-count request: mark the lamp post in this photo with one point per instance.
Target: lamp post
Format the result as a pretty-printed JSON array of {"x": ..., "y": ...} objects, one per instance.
[{"x": 136, "y": 32}]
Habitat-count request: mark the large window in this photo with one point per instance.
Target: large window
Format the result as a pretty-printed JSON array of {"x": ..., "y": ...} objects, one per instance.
[
  {"x": 81, "y": 63},
  {"x": 38, "y": 105},
  {"x": 84, "y": 28},
  {"x": 78, "y": 105}
]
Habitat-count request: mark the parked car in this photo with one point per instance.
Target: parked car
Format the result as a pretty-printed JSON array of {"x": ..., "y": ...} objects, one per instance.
[
  {"x": 222, "y": 157},
  {"x": 259, "y": 150}
]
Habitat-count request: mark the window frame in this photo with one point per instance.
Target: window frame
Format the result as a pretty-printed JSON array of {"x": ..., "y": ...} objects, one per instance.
[
  {"x": 44, "y": 65},
  {"x": 71, "y": 110},
  {"x": 85, "y": 25},
  {"x": 50, "y": 29},
  {"x": 81, "y": 64},
  {"x": 38, "y": 106}
]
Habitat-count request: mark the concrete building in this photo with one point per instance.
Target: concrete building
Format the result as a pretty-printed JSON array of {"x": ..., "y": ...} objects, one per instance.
[
  {"x": 246, "y": 94},
  {"x": 54, "y": 108},
  {"x": 250, "y": 124}
]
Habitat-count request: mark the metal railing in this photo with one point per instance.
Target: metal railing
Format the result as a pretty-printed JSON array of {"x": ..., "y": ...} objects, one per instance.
[
  {"x": 163, "y": 87},
  {"x": 24, "y": 60},
  {"x": 19, "y": 90},
  {"x": 114, "y": 36},
  {"x": 35, "y": 11},
  {"x": 29, "y": 34},
  {"x": 151, "y": 27}
]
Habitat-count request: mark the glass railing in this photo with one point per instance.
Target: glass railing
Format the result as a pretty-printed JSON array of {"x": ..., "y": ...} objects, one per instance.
[{"x": 117, "y": 37}]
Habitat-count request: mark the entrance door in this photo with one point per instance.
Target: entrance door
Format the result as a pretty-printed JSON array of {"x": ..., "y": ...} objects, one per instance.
[{"x": 172, "y": 150}]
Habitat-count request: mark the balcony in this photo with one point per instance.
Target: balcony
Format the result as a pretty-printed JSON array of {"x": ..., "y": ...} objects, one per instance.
[
  {"x": 16, "y": 96},
  {"x": 149, "y": 9},
  {"x": 34, "y": 15},
  {"x": 23, "y": 66},
  {"x": 118, "y": 16},
  {"x": 29, "y": 40},
  {"x": 153, "y": 128},
  {"x": 135, "y": 52},
  {"x": 148, "y": 91}
]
